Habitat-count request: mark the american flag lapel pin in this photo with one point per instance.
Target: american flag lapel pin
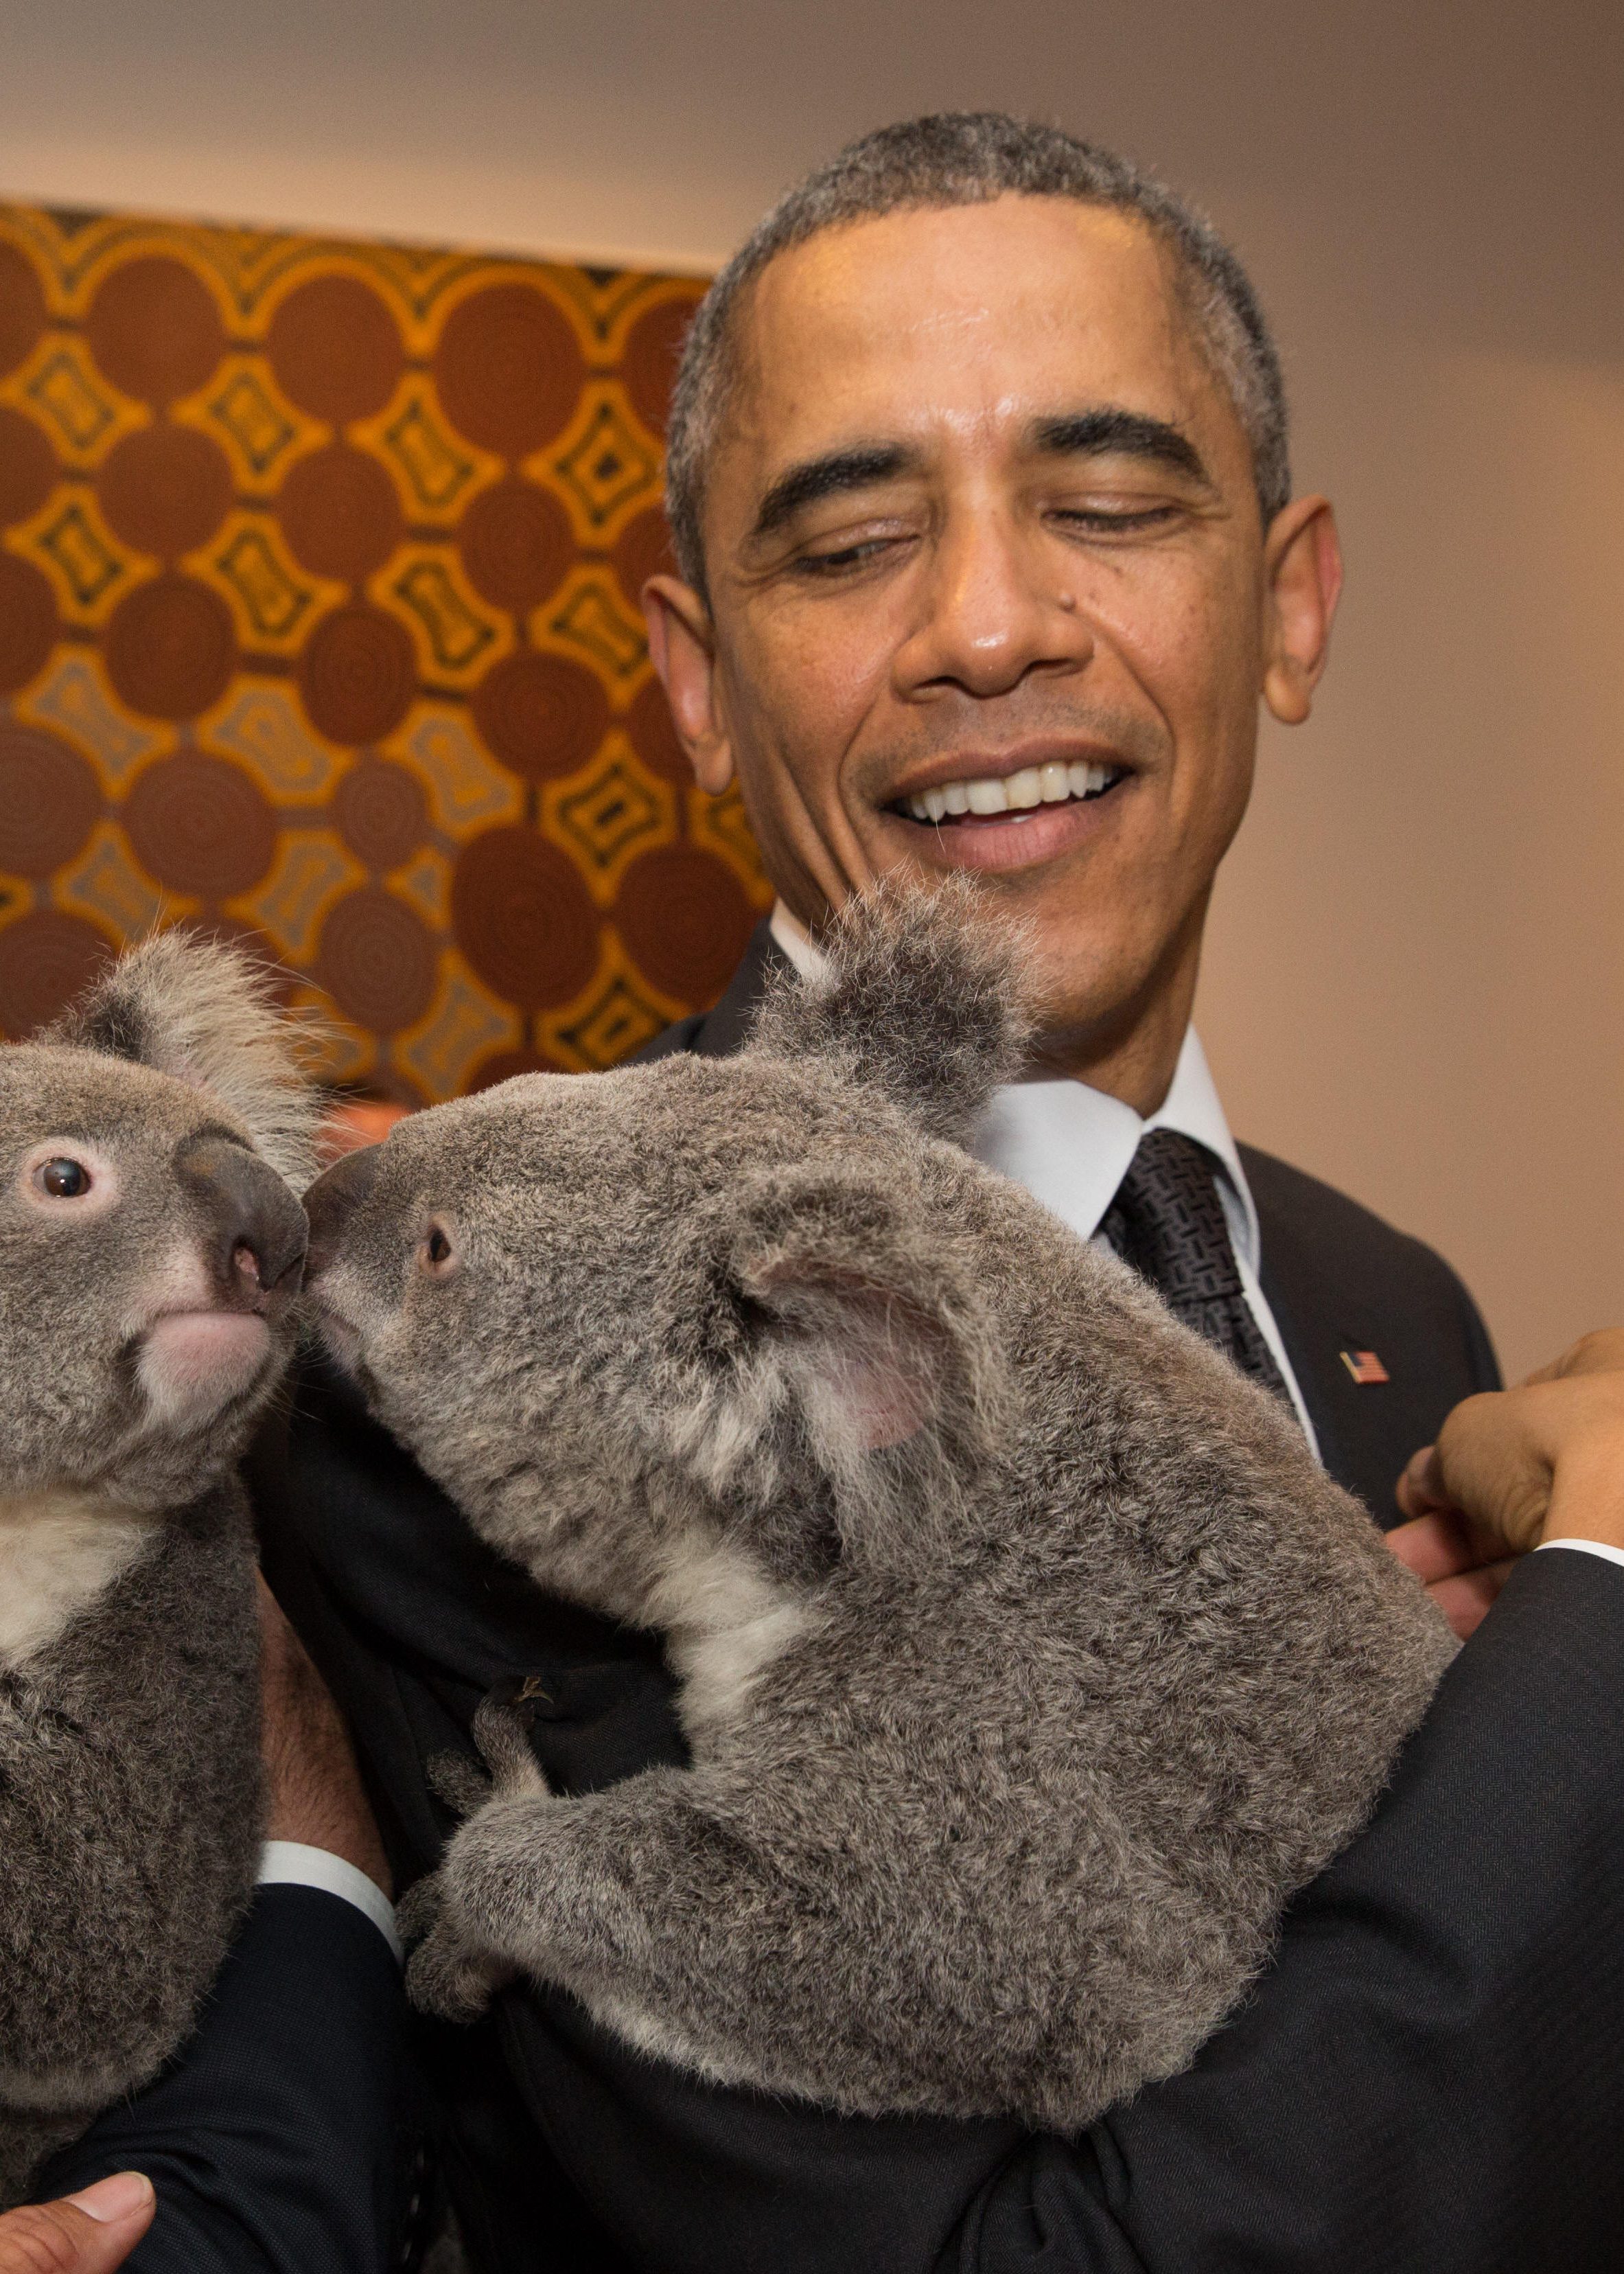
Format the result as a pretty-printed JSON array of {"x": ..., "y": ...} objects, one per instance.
[{"x": 1365, "y": 1367}]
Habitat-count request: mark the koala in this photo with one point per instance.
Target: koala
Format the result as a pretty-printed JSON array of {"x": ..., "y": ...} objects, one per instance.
[
  {"x": 1027, "y": 1660},
  {"x": 151, "y": 1250}
]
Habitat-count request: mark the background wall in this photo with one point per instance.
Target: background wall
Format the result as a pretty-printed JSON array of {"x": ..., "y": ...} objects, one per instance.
[{"x": 1416, "y": 980}]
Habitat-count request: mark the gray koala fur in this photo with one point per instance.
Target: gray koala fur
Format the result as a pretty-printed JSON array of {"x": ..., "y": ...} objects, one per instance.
[
  {"x": 144, "y": 1323},
  {"x": 1028, "y": 1660}
]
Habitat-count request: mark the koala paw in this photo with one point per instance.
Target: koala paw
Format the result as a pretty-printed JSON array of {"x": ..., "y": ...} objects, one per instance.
[
  {"x": 447, "y": 1974},
  {"x": 501, "y": 1731},
  {"x": 457, "y": 1784}
]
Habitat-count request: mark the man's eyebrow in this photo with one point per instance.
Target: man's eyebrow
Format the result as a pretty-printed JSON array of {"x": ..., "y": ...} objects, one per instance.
[
  {"x": 1127, "y": 433},
  {"x": 837, "y": 471}
]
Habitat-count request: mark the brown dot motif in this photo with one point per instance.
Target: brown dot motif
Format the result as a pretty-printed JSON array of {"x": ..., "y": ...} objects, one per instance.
[
  {"x": 340, "y": 513},
  {"x": 171, "y": 648},
  {"x": 654, "y": 737},
  {"x": 377, "y": 959},
  {"x": 47, "y": 958},
  {"x": 516, "y": 543},
  {"x": 154, "y": 330},
  {"x": 381, "y": 812},
  {"x": 523, "y": 918},
  {"x": 685, "y": 920},
  {"x": 201, "y": 825},
  {"x": 653, "y": 347},
  {"x": 27, "y": 465},
  {"x": 335, "y": 349},
  {"x": 28, "y": 623},
  {"x": 357, "y": 673},
  {"x": 50, "y": 799},
  {"x": 541, "y": 715},
  {"x": 165, "y": 489},
  {"x": 508, "y": 369},
  {"x": 23, "y": 315}
]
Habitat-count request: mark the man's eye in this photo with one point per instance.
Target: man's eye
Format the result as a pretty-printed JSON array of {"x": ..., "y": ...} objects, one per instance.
[
  {"x": 64, "y": 1179},
  {"x": 844, "y": 557},
  {"x": 1121, "y": 520}
]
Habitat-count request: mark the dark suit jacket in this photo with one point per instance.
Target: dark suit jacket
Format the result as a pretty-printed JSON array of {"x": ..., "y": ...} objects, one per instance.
[{"x": 1428, "y": 2077}]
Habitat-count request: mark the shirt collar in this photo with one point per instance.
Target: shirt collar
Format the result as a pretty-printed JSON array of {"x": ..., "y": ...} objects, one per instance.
[{"x": 1071, "y": 1146}]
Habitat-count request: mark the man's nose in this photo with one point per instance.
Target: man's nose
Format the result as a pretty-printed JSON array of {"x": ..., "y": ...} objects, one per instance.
[
  {"x": 255, "y": 1227},
  {"x": 333, "y": 1199},
  {"x": 1002, "y": 601}
]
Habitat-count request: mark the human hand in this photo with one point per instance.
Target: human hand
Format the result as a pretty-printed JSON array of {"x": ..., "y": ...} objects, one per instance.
[
  {"x": 313, "y": 1787},
  {"x": 88, "y": 2233},
  {"x": 1512, "y": 1468}
]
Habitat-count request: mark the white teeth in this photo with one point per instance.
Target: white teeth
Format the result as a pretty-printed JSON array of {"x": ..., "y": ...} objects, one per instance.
[{"x": 1046, "y": 785}]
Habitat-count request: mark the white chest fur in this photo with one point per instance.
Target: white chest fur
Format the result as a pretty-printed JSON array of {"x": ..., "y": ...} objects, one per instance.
[{"x": 59, "y": 1552}]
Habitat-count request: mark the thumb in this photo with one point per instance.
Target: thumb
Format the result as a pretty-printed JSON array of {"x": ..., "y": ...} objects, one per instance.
[{"x": 90, "y": 2232}]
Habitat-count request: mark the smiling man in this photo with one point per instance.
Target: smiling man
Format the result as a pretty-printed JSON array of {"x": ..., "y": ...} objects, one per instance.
[
  {"x": 979, "y": 485},
  {"x": 980, "y": 490}
]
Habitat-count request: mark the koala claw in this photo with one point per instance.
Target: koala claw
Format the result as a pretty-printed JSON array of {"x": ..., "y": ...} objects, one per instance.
[{"x": 446, "y": 1974}]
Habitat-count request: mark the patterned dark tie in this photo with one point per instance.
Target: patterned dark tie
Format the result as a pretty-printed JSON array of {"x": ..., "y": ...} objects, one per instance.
[{"x": 1167, "y": 1221}]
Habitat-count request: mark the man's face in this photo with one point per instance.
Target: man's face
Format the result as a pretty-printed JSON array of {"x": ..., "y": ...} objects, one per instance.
[{"x": 990, "y": 590}]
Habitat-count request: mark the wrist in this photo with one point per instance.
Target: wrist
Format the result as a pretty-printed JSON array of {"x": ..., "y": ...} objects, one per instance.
[{"x": 1587, "y": 1491}]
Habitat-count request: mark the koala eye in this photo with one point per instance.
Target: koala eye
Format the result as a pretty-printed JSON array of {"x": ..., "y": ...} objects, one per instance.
[
  {"x": 436, "y": 1251},
  {"x": 64, "y": 1179}
]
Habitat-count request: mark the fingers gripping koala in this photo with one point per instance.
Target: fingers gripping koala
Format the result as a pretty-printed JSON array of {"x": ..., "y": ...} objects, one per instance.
[
  {"x": 151, "y": 1248},
  {"x": 1028, "y": 1662}
]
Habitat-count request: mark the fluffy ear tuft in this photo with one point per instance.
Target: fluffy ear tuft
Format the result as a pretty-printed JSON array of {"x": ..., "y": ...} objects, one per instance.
[
  {"x": 923, "y": 997},
  {"x": 203, "y": 1011},
  {"x": 860, "y": 1344}
]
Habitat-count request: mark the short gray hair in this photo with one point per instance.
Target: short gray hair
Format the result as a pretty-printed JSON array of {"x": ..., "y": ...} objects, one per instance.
[{"x": 969, "y": 157}]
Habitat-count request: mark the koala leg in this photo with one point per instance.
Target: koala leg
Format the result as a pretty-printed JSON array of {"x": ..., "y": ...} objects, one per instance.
[{"x": 662, "y": 1915}]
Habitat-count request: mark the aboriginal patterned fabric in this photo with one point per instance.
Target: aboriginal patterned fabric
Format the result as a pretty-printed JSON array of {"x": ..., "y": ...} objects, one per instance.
[{"x": 319, "y": 625}]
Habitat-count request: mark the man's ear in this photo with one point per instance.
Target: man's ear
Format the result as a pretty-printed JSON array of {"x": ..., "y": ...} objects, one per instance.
[
  {"x": 859, "y": 1342},
  {"x": 1302, "y": 570},
  {"x": 682, "y": 647},
  {"x": 202, "y": 1011}
]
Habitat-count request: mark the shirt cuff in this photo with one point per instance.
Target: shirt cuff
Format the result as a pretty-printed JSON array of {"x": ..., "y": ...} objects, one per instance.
[
  {"x": 289, "y": 1863},
  {"x": 1590, "y": 1547}
]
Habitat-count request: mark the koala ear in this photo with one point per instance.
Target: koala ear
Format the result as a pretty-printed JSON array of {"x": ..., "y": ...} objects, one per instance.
[
  {"x": 204, "y": 1012},
  {"x": 860, "y": 1343},
  {"x": 923, "y": 995}
]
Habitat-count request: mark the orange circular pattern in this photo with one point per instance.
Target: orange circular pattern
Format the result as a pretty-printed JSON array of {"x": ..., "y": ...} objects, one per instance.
[
  {"x": 28, "y": 623},
  {"x": 201, "y": 825},
  {"x": 27, "y": 465},
  {"x": 508, "y": 369},
  {"x": 377, "y": 959},
  {"x": 683, "y": 915},
  {"x": 165, "y": 490},
  {"x": 154, "y": 330},
  {"x": 541, "y": 715},
  {"x": 523, "y": 918},
  {"x": 49, "y": 800},
  {"x": 357, "y": 674},
  {"x": 340, "y": 513},
  {"x": 45, "y": 958},
  {"x": 171, "y": 647},
  {"x": 516, "y": 543},
  {"x": 320, "y": 568},
  {"x": 335, "y": 349}
]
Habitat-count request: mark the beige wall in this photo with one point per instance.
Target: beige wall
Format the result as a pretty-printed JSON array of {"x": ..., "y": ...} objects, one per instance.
[{"x": 1418, "y": 957}]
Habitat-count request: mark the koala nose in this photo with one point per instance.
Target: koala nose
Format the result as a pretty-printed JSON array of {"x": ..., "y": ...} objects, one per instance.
[
  {"x": 333, "y": 1199},
  {"x": 256, "y": 1227}
]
